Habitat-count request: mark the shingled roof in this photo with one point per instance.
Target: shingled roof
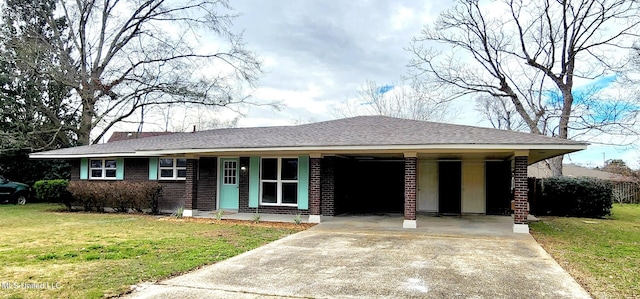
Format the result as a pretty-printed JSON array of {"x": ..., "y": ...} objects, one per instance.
[
  {"x": 117, "y": 136},
  {"x": 355, "y": 132}
]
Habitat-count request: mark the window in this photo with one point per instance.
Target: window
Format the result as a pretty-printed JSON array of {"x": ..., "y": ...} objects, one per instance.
[
  {"x": 102, "y": 169},
  {"x": 279, "y": 181},
  {"x": 230, "y": 172},
  {"x": 173, "y": 168}
]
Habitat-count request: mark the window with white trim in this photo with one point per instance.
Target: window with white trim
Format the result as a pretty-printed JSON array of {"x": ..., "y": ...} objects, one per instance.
[
  {"x": 230, "y": 172},
  {"x": 172, "y": 168},
  {"x": 102, "y": 169},
  {"x": 279, "y": 181}
]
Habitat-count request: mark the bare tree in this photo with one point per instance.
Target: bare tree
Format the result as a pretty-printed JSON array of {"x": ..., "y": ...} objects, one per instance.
[
  {"x": 529, "y": 50},
  {"x": 500, "y": 113},
  {"x": 406, "y": 99},
  {"x": 129, "y": 54},
  {"x": 196, "y": 118}
]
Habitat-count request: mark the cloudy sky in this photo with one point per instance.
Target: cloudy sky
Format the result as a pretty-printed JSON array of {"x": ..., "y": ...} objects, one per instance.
[{"x": 317, "y": 54}]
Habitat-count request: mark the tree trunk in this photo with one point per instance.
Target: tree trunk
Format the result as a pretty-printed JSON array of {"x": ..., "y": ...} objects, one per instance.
[
  {"x": 555, "y": 164},
  {"x": 86, "y": 120},
  {"x": 563, "y": 127}
]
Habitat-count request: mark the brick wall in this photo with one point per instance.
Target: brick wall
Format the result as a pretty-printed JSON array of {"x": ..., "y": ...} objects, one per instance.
[
  {"x": 410, "y": 188},
  {"x": 521, "y": 189},
  {"x": 172, "y": 195},
  {"x": 190, "y": 185},
  {"x": 279, "y": 210},
  {"x": 243, "y": 187},
  {"x": 314, "y": 186},
  {"x": 207, "y": 184},
  {"x": 75, "y": 169},
  {"x": 136, "y": 169},
  {"x": 327, "y": 185}
]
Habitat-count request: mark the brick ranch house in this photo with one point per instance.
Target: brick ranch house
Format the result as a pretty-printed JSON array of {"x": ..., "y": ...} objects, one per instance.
[{"x": 365, "y": 164}]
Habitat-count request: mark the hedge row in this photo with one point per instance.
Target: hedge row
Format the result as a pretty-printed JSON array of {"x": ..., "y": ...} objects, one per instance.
[
  {"x": 121, "y": 196},
  {"x": 574, "y": 197}
]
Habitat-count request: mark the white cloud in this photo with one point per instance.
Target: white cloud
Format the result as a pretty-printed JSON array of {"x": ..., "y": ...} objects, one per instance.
[
  {"x": 306, "y": 99},
  {"x": 401, "y": 17}
]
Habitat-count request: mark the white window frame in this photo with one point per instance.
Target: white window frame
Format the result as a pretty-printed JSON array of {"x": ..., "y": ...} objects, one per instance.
[
  {"x": 230, "y": 173},
  {"x": 174, "y": 167},
  {"x": 103, "y": 168},
  {"x": 279, "y": 182}
]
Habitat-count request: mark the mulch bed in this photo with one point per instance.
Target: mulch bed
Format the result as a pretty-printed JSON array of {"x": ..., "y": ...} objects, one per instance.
[{"x": 287, "y": 225}]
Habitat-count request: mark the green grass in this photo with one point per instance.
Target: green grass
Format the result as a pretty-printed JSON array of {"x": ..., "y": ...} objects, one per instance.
[
  {"x": 602, "y": 254},
  {"x": 85, "y": 255}
]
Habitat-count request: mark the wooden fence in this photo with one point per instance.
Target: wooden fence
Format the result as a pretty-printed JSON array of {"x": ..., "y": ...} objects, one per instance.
[{"x": 626, "y": 192}]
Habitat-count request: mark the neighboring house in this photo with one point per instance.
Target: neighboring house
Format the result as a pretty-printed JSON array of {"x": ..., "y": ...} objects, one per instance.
[
  {"x": 540, "y": 170},
  {"x": 625, "y": 188},
  {"x": 366, "y": 164},
  {"x": 118, "y": 136}
]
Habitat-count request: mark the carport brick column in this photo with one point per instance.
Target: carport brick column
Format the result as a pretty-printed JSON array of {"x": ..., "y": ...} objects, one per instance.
[
  {"x": 410, "y": 192},
  {"x": 190, "y": 188},
  {"x": 520, "y": 197},
  {"x": 314, "y": 189},
  {"x": 327, "y": 187}
]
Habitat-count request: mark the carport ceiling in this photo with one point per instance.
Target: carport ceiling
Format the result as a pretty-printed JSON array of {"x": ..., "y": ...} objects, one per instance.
[{"x": 361, "y": 157}]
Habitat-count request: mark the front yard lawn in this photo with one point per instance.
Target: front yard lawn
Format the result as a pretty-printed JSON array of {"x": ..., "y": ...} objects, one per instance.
[
  {"x": 48, "y": 254},
  {"x": 602, "y": 254}
]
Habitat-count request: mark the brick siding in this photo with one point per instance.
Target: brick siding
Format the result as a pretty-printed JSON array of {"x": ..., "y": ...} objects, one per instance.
[
  {"x": 190, "y": 185},
  {"x": 75, "y": 169},
  {"x": 207, "y": 184},
  {"x": 243, "y": 187},
  {"x": 136, "y": 169},
  {"x": 314, "y": 186},
  {"x": 521, "y": 189},
  {"x": 172, "y": 195},
  {"x": 410, "y": 188},
  {"x": 327, "y": 185}
]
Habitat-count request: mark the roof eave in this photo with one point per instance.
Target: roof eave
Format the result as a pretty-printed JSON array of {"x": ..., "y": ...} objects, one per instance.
[
  {"x": 44, "y": 155},
  {"x": 396, "y": 148}
]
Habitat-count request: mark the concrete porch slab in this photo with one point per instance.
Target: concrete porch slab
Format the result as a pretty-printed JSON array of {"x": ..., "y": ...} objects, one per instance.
[
  {"x": 250, "y": 216},
  {"x": 460, "y": 226}
]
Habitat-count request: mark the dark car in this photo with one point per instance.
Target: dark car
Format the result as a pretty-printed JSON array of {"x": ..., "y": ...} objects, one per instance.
[{"x": 13, "y": 192}]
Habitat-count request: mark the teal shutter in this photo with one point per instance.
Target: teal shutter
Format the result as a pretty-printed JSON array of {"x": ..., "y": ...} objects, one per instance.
[
  {"x": 303, "y": 182},
  {"x": 120, "y": 169},
  {"x": 84, "y": 169},
  {"x": 153, "y": 169},
  {"x": 254, "y": 181}
]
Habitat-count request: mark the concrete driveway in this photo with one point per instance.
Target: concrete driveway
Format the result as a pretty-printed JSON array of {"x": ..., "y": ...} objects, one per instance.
[{"x": 369, "y": 256}]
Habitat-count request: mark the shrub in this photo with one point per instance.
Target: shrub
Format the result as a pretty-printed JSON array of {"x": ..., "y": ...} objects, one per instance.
[
  {"x": 219, "y": 214},
  {"x": 178, "y": 213},
  {"x": 51, "y": 191},
  {"x": 119, "y": 195},
  {"x": 575, "y": 197}
]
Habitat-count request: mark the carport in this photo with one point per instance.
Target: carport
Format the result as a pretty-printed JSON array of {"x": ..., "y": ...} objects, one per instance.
[{"x": 369, "y": 185}]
